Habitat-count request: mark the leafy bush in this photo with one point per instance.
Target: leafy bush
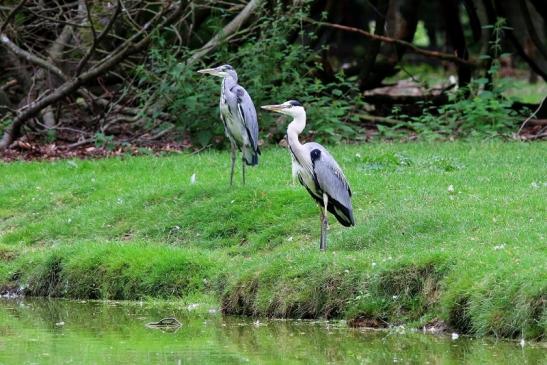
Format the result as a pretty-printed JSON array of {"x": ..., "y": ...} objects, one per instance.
[
  {"x": 472, "y": 112},
  {"x": 478, "y": 110},
  {"x": 270, "y": 65}
]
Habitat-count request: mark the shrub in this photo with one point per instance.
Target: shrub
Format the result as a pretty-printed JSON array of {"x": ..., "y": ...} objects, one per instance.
[{"x": 271, "y": 66}]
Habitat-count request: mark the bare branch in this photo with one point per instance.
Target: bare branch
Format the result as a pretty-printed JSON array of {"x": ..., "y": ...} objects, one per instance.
[
  {"x": 71, "y": 85},
  {"x": 32, "y": 58},
  {"x": 531, "y": 116},
  {"x": 99, "y": 38},
  {"x": 424, "y": 52},
  {"x": 11, "y": 15},
  {"x": 230, "y": 28}
]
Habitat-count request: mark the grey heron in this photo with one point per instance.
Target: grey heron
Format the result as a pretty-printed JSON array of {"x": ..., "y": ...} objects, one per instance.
[
  {"x": 317, "y": 171},
  {"x": 238, "y": 114}
]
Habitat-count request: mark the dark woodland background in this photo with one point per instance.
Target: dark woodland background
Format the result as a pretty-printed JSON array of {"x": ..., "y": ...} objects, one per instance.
[{"x": 95, "y": 77}]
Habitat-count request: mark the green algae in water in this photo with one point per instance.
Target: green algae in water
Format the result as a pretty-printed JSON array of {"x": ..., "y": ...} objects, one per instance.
[{"x": 70, "y": 332}]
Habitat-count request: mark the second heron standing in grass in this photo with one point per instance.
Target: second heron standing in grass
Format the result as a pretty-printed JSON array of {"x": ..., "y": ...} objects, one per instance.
[
  {"x": 317, "y": 170},
  {"x": 238, "y": 114}
]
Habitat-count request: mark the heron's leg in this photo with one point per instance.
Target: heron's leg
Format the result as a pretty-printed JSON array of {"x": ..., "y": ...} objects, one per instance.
[
  {"x": 234, "y": 149},
  {"x": 243, "y": 169},
  {"x": 325, "y": 205},
  {"x": 322, "y": 242},
  {"x": 324, "y": 223}
]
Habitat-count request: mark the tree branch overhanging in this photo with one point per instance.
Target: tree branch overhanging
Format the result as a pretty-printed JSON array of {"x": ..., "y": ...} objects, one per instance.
[
  {"x": 230, "y": 28},
  {"x": 424, "y": 52}
]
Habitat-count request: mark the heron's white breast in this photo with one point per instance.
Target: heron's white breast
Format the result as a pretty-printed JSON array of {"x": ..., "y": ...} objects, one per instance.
[{"x": 305, "y": 174}]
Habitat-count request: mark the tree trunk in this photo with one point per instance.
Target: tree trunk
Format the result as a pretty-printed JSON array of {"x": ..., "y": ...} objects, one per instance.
[
  {"x": 456, "y": 38},
  {"x": 373, "y": 46}
]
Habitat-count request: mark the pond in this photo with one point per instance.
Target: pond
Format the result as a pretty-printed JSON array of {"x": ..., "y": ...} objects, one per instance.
[{"x": 72, "y": 332}]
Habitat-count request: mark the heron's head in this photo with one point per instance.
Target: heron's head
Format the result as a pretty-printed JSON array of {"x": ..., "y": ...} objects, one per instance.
[
  {"x": 292, "y": 108},
  {"x": 220, "y": 71}
]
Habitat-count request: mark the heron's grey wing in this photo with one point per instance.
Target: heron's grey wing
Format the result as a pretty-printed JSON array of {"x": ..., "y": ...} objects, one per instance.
[
  {"x": 248, "y": 114},
  {"x": 331, "y": 180}
]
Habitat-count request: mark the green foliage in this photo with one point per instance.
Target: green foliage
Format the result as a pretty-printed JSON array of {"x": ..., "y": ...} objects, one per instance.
[
  {"x": 472, "y": 112},
  {"x": 479, "y": 109},
  {"x": 5, "y": 122},
  {"x": 270, "y": 65},
  {"x": 421, "y": 39},
  {"x": 448, "y": 231},
  {"x": 104, "y": 141}
]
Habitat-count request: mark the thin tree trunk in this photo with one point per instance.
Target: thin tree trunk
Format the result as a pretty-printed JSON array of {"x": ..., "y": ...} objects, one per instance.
[
  {"x": 373, "y": 46},
  {"x": 456, "y": 38}
]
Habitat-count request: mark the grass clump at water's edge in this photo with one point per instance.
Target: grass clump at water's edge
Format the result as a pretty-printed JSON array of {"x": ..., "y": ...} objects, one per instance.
[{"x": 472, "y": 255}]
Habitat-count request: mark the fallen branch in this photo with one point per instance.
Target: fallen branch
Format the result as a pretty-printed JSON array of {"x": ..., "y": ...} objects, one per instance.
[
  {"x": 412, "y": 47},
  {"x": 31, "y": 58},
  {"x": 9, "y": 84},
  {"x": 531, "y": 116},
  {"x": 127, "y": 109},
  {"x": 131, "y": 46},
  {"x": 379, "y": 120},
  {"x": 386, "y": 121}
]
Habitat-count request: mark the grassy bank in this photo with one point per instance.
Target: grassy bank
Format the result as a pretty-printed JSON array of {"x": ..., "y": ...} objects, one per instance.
[{"x": 472, "y": 255}]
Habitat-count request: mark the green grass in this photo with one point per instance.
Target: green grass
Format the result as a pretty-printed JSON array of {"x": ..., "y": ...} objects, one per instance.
[{"x": 133, "y": 228}]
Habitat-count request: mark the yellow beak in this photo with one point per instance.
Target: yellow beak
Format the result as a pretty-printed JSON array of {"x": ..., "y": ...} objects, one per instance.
[{"x": 274, "y": 108}]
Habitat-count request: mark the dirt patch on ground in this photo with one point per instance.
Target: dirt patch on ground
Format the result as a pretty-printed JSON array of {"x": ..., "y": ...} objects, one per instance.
[{"x": 27, "y": 151}]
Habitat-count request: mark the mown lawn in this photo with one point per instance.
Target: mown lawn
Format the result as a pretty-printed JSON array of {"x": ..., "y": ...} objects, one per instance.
[{"x": 453, "y": 232}]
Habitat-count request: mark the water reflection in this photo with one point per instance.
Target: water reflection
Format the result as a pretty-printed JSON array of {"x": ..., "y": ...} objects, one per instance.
[{"x": 68, "y": 332}]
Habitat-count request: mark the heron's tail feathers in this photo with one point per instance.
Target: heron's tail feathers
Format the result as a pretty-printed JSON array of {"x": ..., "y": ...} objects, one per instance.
[
  {"x": 250, "y": 156},
  {"x": 344, "y": 214}
]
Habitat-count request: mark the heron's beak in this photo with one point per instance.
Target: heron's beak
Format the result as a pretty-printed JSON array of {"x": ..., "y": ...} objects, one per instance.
[
  {"x": 208, "y": 71},
  {"x": 274, "y": 108}
]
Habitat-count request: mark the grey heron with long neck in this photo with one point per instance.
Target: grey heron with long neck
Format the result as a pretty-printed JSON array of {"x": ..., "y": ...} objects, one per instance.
[
  {"x": 317, "y": 171},
  {"x": 238, "y": 115}
]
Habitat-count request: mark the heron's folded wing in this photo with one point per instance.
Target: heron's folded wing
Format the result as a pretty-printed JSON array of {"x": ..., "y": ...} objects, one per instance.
[
  {"x": 331, "y": 179},
  {"x": 247, "y": 112}
]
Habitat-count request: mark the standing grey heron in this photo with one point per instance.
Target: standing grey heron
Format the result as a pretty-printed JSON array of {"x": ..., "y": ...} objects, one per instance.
[
  {"x": 238, "y": 114},
  {"x": 317, "y": 171}
]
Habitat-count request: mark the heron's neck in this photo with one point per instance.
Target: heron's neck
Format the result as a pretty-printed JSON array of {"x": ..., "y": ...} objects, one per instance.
[
  {"x": 229, "y": 81},
  {"x": 294, "y": 129}
]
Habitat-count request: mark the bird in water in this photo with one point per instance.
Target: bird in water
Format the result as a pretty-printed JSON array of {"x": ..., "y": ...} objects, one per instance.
[
  {"x": 238, "y": 114},
  {"x": 317, "y": 171}
]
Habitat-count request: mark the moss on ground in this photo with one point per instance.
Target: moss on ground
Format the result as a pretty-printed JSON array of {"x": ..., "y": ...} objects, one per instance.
[{"x": 472, "y": 255}]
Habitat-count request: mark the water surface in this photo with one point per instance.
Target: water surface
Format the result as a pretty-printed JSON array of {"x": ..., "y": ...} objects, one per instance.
[{"x": 70, "y": 332}]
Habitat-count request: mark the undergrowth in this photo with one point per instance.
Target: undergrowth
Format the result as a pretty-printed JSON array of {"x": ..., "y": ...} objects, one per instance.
[
  {"x": 481, "y": 109},
  {"x": 270, "y": 65}
]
